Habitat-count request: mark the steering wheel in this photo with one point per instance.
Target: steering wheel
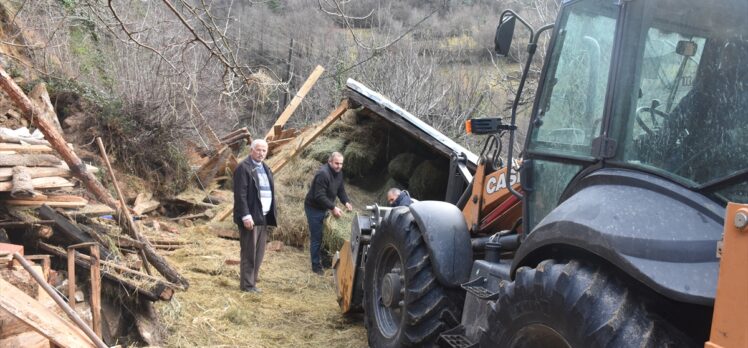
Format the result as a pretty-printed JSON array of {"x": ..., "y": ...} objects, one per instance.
[{"x": 652, "y": 110}]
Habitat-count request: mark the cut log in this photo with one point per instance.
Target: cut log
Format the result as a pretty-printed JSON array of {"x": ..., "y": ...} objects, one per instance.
[
  {"x": 22, "y": 186},
  {"x": 40, "y": 183},
  {"x": 44, "y": 321},
  {"x": 29, "y": 112},
  {"x": 29, "y": 160},
  {"x": 19, "y": 148}
]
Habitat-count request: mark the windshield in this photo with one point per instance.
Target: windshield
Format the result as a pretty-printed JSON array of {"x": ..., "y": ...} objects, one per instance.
[{"x": 688, "y": 115}]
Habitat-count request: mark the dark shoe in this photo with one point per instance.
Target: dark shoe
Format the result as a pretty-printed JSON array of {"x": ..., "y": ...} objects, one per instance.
[{"x": 319, "y": 272}]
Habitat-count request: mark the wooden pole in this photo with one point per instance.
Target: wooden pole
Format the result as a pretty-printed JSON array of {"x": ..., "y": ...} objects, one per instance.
[
  {"x": 123, "y": 212},
  {"x": 71, "y": 278},
  {"x": 95, "y": 290},
  {"x": 148, "y": 252},
  {"x": 31, "y": 112}
]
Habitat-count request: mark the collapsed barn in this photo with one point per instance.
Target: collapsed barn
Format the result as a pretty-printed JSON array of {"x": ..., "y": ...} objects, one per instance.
[{"x": 113, "y": 251}]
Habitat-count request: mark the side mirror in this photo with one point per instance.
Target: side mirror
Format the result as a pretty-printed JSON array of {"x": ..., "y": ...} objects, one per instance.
[{"x": 504, "y": 33}]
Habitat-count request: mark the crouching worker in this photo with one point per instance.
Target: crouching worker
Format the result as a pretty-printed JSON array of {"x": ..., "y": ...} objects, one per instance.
[
  {"x": 254, "y": 212},
  {"x": 398, "y": 198}
]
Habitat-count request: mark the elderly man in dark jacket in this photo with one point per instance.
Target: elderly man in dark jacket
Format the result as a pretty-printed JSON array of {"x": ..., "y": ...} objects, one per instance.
[
  {"x": 254, "y": 211},
  {"x": 326, "y": 186}
]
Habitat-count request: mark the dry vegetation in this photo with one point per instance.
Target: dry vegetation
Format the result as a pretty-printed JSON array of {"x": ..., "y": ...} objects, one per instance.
[{"x": 296, "y": 308}]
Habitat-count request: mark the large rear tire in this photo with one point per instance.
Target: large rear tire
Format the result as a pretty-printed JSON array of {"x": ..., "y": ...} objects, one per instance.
[
  {"x": 574, "y": 305},
  {"x": 405, "y": 305}
]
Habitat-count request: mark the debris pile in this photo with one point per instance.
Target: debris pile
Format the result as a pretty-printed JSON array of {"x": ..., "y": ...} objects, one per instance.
[{"x": 56, "y": 238}]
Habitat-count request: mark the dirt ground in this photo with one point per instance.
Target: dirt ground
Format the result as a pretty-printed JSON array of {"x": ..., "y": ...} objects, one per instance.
[{"x": 295, "y": 309}]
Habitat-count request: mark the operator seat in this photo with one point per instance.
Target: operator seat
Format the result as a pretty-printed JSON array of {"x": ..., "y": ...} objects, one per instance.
[{"x": 709, "y": 127}]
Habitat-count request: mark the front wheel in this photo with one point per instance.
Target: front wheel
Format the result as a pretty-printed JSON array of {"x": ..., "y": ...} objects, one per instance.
[
  {"x": 574, "y": 305},
  {"x": 405, "y": 305}
]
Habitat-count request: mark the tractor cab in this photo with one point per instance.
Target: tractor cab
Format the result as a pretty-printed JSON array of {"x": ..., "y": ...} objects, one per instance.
[{"x": 652, "y": 86}]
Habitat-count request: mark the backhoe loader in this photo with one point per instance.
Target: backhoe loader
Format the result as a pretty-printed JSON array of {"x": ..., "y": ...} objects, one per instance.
[{"x": 636, "y": 145}]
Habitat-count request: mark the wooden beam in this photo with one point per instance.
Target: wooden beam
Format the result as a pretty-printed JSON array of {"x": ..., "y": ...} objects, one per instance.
[
  {"x": 296, "y": 101},
  {"x": 277, "y": 163}
]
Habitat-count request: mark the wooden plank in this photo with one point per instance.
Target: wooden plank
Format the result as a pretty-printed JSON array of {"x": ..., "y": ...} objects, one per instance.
[
  {"x": 32, "y": 203},
  {"x": 40, "y": 183},
  {"x": 27, "y": 339},
  {"x": 43, "y": 320},
  {"x": 37, "y": 172},
  {"x": 223, "y": 214},
  {"x": 277, "y": 163},
  {"x": 296, "y": 101},
  {"x": 19, "y": 148},
  {"x": 234, "y": 133},
  {"x": 90, "y": 210},
  {"x": 344, "y": 277},
  {"x": 29, "y": 160}
]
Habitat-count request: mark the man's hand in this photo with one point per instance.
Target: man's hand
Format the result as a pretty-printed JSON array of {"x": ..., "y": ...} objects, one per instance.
[
  {"x": 348, "y": 206},
  {"x": 336, "y": 212},
  {"x": 248, "y": 224}
]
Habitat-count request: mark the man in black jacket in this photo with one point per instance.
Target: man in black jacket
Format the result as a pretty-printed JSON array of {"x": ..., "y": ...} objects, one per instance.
[
  {"x": 326, "y": 186},
  {"x": 398, "y": 198},
  {"x": 254, "y": 211}
]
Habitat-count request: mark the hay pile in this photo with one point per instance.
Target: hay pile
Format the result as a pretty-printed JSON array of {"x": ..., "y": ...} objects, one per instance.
[
  {"x": 295, "y": 309},
  {"x": 351, "y": 136}
]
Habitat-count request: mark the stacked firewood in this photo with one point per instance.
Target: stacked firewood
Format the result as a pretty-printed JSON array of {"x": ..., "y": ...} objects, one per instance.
[{"x": 31, "y": 174}]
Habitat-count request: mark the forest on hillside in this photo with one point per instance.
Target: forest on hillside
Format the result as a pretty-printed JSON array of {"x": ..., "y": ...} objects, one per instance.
[{"x": 151, "y": 73}]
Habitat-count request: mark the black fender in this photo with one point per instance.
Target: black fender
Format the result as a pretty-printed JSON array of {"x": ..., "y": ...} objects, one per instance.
[
  {"x": 444, "y": 229},
  {"x": 661, "y": 234}
]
